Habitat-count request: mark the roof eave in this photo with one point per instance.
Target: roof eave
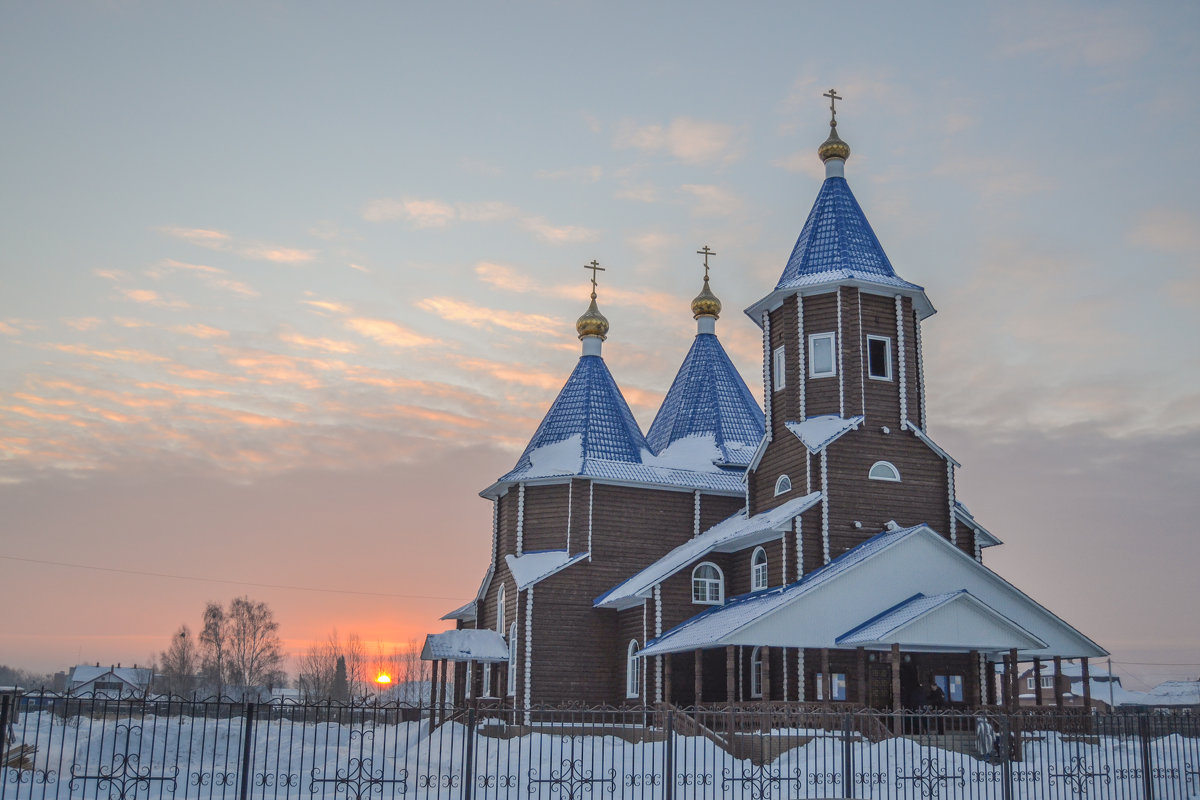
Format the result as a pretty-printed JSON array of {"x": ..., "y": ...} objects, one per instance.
[{"x": 773, "y": 300}]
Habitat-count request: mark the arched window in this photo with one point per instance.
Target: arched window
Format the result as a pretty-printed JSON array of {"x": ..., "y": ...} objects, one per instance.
[
  {"x": 884, "y": 471},
  {"x": 756, "y": 668},
  {"x": 784, "y": 484},
  {"x": 758, "y": 570},
  {"x": 487, "y": 680},
  {"x": 512, "y": 660},
  {"x": 500, "y": 610},
  {"x": 633, "y": 670},
  {"x": 708, "y": 584}
]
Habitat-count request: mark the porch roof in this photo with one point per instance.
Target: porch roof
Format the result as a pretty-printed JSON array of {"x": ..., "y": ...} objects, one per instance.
[
  {"x": 948, "y": 622},
  {"x": 465, "y": 645}
]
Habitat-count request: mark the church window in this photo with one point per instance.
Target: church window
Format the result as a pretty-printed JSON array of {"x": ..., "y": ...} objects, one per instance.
[
  {"x": 884, "y": 471},
  {"x": 837, "y": 686},
  {"x": 500, "y": 610},
  {"x": 779, "y": 364},
  {"x": 758, "y": 570},
  {"x": 633, "y": 670},
  {"x": 708, "y": 584},
  {"x": 879, "y": 358},
  {"x": 512, "y": 660},
  {"x": 783, "y": 485},
  {"x": 821, "y": 363},
  {"x": 756, "y": 670}
]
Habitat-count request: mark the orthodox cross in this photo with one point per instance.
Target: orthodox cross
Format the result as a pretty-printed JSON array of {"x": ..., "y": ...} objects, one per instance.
[
  {"x": 706, "y": 253},
  {"x": 594, "y": 267},
  {"x": 833, "y": 98}
]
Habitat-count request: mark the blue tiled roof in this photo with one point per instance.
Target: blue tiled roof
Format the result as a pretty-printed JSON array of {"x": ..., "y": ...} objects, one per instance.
[
  {"x": 709, "y": 398},
  {"x": 592, "y": 407},
  {"x": 837, "y": 243}
]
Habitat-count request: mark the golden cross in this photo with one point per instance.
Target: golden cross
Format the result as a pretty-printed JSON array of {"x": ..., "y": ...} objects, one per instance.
[
  {"x": 706, "y": 253},
  {"x": 594, "y": 267},
  {"x": 833, "y": 97}
]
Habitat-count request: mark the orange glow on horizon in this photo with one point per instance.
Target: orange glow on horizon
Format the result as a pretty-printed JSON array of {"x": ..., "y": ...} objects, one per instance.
[{"x": 383, "y": 678}]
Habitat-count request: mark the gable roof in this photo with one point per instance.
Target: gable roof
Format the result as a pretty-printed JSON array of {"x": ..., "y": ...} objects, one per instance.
[
  {"x": 838, "y": 246},
  {"x": 709, "y": 399},
  {"x": 532, "y": 567},
  {"x": 137, "y": 677},
  {"x": 861, "y": 584},
  {"x": 958, "y": 618},
  {"x": 734, "y": 533}
]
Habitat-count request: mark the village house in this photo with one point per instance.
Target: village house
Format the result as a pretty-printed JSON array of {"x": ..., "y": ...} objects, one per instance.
[{"x": 811, "y": 549}]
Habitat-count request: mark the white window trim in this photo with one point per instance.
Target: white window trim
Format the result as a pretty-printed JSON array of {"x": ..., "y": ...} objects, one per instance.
[
  {"x": 779, "y": 368},
  {"x": 756, "y": 668},
  {"x": 486, "y": 689},
  {"x": 500, "y": 610},
  {"x": 720, "y": 584},
  {"x": 512, "y": 660},
  {"x": 871, "y": 472},
  {"x": 633, "y": 671},
  {"x": 833, "y": 686},
  {"x": 812, "y": 361},
  {"x": 783, "y": 485},
  {"x": 1029, "y": 683},
  {"x": 759, "y": 576},
  {"x": 887, "y": 362}
]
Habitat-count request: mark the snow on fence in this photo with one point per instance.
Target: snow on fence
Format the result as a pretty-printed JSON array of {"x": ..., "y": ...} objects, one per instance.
[{"x": 100, "y": 748}]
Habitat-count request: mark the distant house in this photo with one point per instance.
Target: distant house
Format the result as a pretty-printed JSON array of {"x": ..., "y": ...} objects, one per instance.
[
  {"x": 1169, "y": 693},
  {"x": 86, "y": 680}
]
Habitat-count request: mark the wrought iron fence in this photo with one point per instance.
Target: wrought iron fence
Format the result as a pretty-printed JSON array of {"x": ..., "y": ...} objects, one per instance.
[{"x": 56, "y": 746}]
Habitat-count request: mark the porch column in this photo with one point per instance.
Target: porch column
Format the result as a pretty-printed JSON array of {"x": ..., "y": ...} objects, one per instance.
[
  {"x": 896, "y": 678},
  {"x": 1014, "y": 690},
  {"x": 1058, "y": 700},
  {"x": 826, "y": 680},
  {"x": 1005, "y": 684},
  {"x": 1087, "y": 685},
  {"x": 442, "y": 692},
  {"x": 699, "y": 676},
  {"x": 433, "y": 696},
  {"x": 861, "y": 654},
  {"x": 974, "y": 690},
  {"x": 1037, "y": 681},
  {"x": 730, "y": 669},
  {"x": 766, "y": 673},
  {"x": 667, "y": 678}
]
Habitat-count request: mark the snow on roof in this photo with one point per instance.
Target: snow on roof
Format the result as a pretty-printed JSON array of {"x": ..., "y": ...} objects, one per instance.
[
  {"x": 719, "y": 621},
  {"x": 1173, "y": 693},
  {"x": 897, "y": 616},
  {"x": 86, "y": 673},
  {"x": 708, "y": 399},
  {"x": 932, "y": 445},
  {"x": 887, "y": 626},
  {"x": 465, "y": 645},
  {"x": 466, "y": 613},
  {"x": 985, "y": 537},
  {"x": 731, "y": 534},
  {"x": 537, "y": 565},
  {"x": 817, "y": 433},
  {"x": 590, "y": 409}
]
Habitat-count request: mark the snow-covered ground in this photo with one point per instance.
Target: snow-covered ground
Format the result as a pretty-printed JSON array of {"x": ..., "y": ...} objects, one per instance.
[{"x": 179, "y": 757}]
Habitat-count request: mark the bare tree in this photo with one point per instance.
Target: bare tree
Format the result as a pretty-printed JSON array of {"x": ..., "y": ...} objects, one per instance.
[
  {"x": 255, "y": 650},
  {"x": 356, "y": 665},
  {"x": 318, "y": 667},
  {"x": 179, "y": 663},
  {"x": 412, "y": 672},
  {"x": 214, "y": 648}
]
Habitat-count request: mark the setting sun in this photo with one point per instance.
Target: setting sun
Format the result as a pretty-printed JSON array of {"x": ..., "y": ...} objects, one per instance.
[{"x": 383, "y": 678}]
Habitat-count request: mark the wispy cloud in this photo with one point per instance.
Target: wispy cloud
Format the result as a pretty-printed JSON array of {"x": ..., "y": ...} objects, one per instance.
[
  {"x": 201, "y": 331},
  {"x": 280, "y": 255},
  {"x": 476, "y": 316},
  {"x": 520, "y": 374},
  {"x": 79, "y": 323},
  {"x": 388, "y": 333},
  {"x": 513, "y": 280},
  {"x": 439, "y": 214},
  {"x": 559, "y": 234},
  {"x": 711, "y": 201},
  {"x": 1168, "y": 230},
  {"x": 217, "y": 240},
  {"x": 689, "y": 140},
  {"x": 995, "y": 177},
  {"x": 422, "y": 213},
  {"x": 224, "y": 242},
  {"x": 326, "y": 307},
  {"x": 1089, "y": 35},
  {"x": 115, "y": 354},
  {"x": 213, "y": 276},
  {"x": 323, "y": 344},
  {"x": 585, "y": 174},
  {"x": 152, "y": 298}
]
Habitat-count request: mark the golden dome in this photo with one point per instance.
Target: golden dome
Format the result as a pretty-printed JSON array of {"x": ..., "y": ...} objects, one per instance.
[
  {"x": 592, "y": 323},
  {"x": 706, "y": 303},
  {"x": 833, "y": 147}
]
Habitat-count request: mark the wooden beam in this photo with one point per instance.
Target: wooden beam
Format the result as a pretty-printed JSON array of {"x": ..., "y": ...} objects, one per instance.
[
  {"x": 667, "y": 679},
  {"x": 973, "y": 689},
  {"x": 1058, "y": 691},
  {"x": 1087, "y": 684},
  {"x": 699, "y": 677},
  {"x": 730, "y": 676},
  {"x": 442, "y": 692},
  {"x": 861, "y": 655},
  {"x": 826, "y": 681},
  {"x": 1014, "y": 691},
  {"x": 766, "y": 673},
  {"x": 1037, "y": 681},
  {"x": 896, "y": 707}
]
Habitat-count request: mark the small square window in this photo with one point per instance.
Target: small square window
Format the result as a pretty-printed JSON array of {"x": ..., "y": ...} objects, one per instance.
[
  {"x": 951, "y": 686},
  {"x": 779, "y": 364},
  {"x": 837, "y": 686},
  {"x": 879, "y": 358},
  {"x": 821, "y": 359}
]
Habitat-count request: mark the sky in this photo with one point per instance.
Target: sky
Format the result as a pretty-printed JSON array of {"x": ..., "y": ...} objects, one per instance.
[{"x": 284, "y": 285}]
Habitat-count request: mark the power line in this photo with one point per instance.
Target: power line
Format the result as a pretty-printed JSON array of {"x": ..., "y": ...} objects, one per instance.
[{"x": 122, "y": 571}]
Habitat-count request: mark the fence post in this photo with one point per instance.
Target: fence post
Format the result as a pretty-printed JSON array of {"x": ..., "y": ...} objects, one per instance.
[
  {"x": 247, "y": 764},
  {"x": 1144, "y": 741},
  {"x": 469, "y": 755},
  {"x": 669, "y": 757},
  {"x": 847, "y": 759},
  {"x": 5, "y": 713},
  {"x": 1006, "y": 755}
]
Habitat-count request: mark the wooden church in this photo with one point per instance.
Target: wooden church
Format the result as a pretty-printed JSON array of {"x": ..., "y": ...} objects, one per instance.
[{"x": 814, "y": 552}]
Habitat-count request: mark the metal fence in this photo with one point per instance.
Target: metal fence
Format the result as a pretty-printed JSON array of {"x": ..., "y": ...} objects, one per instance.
[{"x": 56, "y": 746}]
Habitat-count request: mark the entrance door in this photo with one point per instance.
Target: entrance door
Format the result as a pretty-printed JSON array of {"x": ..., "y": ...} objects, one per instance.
[{"x": 879, "y": 685}]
